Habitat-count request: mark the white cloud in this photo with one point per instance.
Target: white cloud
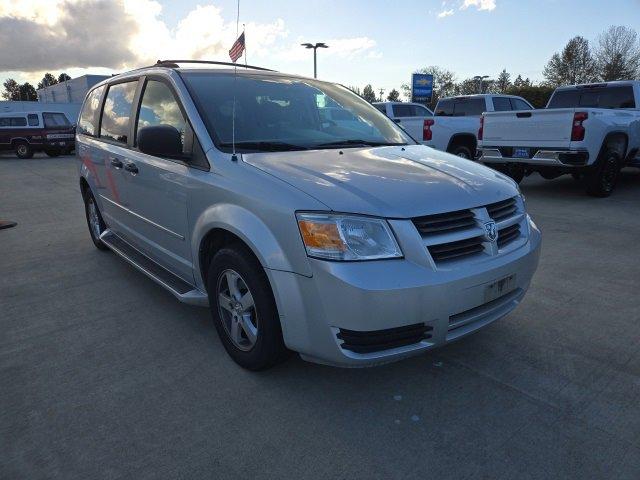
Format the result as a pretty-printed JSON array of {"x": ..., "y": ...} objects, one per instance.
[
  {"x": 75, "y": 35},
  {"x": 479, "y": 4},
  {"x": 445, "y": 13}
]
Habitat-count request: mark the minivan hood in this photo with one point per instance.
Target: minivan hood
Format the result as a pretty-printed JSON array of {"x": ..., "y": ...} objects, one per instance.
[{"x": 392, "y": 182}]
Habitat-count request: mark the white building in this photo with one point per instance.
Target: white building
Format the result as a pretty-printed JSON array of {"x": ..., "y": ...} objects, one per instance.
[{"x": 71, "y": 91}]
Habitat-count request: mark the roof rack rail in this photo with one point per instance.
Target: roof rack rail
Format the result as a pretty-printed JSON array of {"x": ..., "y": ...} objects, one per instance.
[{"x": 174, "y": 64}]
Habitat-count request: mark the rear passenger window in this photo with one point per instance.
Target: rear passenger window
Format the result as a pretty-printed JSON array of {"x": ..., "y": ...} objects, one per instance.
[
  {"x": 403, "y": 111},
  {"x": 32, "y": 118},
  {"x": 116, "y": 114},
  {"x": 87, "y": 122},
  {"x": 501, "y": 104},
  {"x": 160, "y": 107}
]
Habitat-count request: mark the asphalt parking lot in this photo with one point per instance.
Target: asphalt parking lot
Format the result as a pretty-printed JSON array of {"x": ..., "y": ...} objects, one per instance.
[{"x": 106, "y": 375}]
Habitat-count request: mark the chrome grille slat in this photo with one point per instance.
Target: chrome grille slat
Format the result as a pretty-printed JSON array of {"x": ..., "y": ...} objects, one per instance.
[
  {"x": 458, "y": 234},
  {"x": 442, "y": 222}
]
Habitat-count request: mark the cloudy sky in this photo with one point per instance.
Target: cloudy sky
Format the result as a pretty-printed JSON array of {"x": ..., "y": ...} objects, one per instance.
[{"x": 371, "y": 41}]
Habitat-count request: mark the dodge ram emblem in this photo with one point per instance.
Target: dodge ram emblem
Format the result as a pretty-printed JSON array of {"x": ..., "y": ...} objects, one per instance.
[{"x": 491, "y": 231}]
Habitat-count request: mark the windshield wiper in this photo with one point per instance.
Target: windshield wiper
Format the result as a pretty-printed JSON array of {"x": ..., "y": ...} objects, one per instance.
[
  {"x": 265, "y": 146},
  {"x": 355, "y": 143}
]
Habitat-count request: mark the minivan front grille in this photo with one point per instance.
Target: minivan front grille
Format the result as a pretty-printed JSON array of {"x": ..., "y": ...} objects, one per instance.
[
  {"x": 460, "y": 248},
  {"x": 378, "y": 340},
  {"x": 508, "y": 234},
  {"x": 444, "y": 222},
  {"x": 501, "y": 210}
]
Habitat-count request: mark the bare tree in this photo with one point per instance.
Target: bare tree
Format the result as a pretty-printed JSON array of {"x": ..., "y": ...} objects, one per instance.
[
  {"x": 575, "y": 64},
  {"x": 618, "y": 54}
]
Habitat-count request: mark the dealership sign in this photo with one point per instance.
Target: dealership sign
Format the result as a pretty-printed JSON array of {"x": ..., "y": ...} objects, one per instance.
[{"x": 421, "y": 87}]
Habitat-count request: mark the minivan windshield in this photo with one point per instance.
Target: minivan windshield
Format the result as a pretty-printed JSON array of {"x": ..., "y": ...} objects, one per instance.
[{"x": 279, "y": 113}]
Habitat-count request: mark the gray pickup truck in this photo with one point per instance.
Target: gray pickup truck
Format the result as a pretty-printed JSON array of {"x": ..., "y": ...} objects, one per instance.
[{"x": 346, "y": 241}]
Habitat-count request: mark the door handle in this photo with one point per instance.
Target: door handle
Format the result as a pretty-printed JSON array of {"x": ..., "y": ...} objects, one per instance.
[
  {"x": 115, "y": 163},
  {"x": 131, "y": 167}
]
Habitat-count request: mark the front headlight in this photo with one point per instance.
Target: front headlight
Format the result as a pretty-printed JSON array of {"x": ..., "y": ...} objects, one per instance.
[{"x": 347, "y": 237}]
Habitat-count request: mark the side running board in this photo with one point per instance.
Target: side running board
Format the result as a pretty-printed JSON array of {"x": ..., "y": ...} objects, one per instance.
[{"x": 185, "y": 292}]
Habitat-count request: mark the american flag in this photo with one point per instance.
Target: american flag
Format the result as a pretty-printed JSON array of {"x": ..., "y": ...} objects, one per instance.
[{"x": 238, "y": 47}]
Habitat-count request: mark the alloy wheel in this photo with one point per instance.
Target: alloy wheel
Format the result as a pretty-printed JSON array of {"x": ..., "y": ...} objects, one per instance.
[
  {"x": 94, "y": 219},
  {"x": 237, "y": 310}
]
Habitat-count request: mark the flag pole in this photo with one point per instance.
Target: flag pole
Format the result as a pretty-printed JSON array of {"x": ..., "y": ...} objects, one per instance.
[
  {"x": 235, "y": 76},
  {"x": 245, "y": 45}
]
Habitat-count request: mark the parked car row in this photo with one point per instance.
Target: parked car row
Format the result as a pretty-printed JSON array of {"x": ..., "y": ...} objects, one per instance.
[
  {"x": 589, "y": 131},
  {"x": 28, "y": 132}
]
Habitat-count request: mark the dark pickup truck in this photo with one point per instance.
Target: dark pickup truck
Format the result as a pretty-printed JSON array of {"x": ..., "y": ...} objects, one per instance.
[{"x": 29, "y": 132}]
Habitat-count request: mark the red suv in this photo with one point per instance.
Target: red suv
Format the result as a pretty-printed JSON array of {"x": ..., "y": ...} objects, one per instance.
[{"x": 26, "y": 133}]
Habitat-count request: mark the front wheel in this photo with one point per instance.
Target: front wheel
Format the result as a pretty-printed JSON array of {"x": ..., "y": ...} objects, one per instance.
[
  {"x": 244, "y": 310},
  {"x": 603, "y": 176},
  {"x": 52, "y": 152}
]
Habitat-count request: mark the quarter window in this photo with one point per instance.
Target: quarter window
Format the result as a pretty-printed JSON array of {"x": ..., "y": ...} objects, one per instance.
[
  {"x": 87, "y": 123},
  {"x": 116, "y": 114},
  {"x": 32, "y": 118},
  {"x": 160, "y": 107}
]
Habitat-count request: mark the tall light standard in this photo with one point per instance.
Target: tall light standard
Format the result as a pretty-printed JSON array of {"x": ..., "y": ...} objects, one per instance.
[
  {"x": 315, "y": 48},
  {"x": 480, "y": 78}
]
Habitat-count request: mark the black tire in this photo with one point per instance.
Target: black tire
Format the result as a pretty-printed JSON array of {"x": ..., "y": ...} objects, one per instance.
[
  {"x": 90, "y": 200},
  {"x": 514, "y": 171},
  {"x": 52, "y": 152},
  {"x": 462, "y": 151},
  {"x": 23, "y": 150},
  {"x": 268, "y": 347},
  {"x": 601, "y": 179}
]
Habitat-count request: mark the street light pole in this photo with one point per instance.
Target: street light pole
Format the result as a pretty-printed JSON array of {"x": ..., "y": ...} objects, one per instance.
[
  {"x": 315, "y": 48},
  {"x": 480, "y": 78}
]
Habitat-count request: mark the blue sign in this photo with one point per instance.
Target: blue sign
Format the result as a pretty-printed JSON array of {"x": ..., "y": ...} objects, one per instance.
[{"x": 421, "y": 87}]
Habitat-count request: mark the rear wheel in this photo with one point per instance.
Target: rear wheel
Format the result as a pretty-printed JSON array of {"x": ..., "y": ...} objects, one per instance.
[
  {"x": 515, "y": 171},
  {"x": 244, "y": 310},
  {"x": 462, "y": 151},
  {"x": 23, "y": 150},
  {"x": 601, "y": 180},
  {"x": 94, "y": 220}
]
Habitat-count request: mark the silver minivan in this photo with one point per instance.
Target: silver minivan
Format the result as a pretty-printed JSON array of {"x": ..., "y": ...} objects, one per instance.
[{"x": 347, "y": 242}]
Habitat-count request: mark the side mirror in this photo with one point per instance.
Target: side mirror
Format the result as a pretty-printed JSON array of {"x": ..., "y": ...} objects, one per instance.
[{"x": 160, "y": 141}]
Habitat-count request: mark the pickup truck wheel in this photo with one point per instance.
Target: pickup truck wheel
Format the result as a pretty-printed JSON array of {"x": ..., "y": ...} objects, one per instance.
[
  {"x": 514, "y": 171},
  {"x": 602, "y": 178},
  {"x": 244, "y": 310},
  {"x": 23, "y": 150},
  {"x": 94, "y": 220},
  {"x": 52, "y": 152},
  {"x": 462, "y": 152}
]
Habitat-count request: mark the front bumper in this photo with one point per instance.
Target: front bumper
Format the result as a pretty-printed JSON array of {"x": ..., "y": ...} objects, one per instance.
[
  {"x": 381, "y": 295},
  {"x": 542, "y": 157}
]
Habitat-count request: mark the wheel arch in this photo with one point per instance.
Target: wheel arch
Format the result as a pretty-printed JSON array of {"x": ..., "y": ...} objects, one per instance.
[
  {"x": 465, "y": 139},
  {"x": 225, "y": 224},
  {"x": 617, "y": 141},
  {"x": 16, "y": 140}
]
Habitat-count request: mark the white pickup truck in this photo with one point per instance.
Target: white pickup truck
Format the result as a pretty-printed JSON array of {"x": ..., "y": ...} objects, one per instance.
[
  {"x": 590, "y": 131},
  {"x": 414, "y": 118},
  {"x": 457, "y": 120}
]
